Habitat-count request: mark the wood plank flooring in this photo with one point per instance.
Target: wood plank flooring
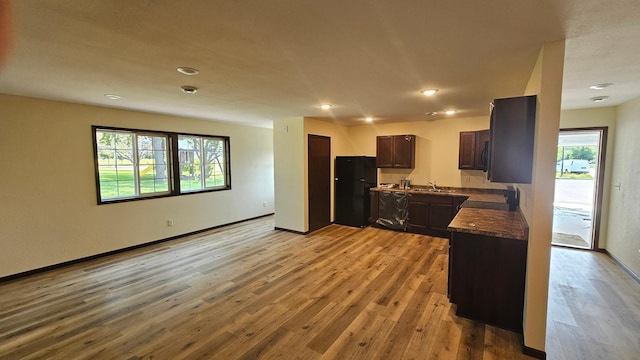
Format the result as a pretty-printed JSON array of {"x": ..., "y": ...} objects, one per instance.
[
  {"x": 594, "y": 308},
  {"x": 247, "y": 291}
]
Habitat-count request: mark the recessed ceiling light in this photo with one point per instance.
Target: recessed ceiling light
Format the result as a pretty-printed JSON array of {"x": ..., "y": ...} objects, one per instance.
[
  {"x": 369, "y": 119},
  {"x": 599, "y": 99},
  {"x": 188, "y": 89},
  {"x": 113, "y": 96},
  {"x": 429, "y": 92},
  {"x": 431, "y": 113},
  {"x": 450, "y": 112},
  {"x": 325, "y": 106},
  {"x": 188, "y": 71},
  {"x": 600, "y": 86}
]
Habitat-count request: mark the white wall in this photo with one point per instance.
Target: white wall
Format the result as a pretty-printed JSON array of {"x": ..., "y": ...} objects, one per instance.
[
  {"x": 623, "y": 241},
  {"x": 536, "y": 199},
  {"x": 49, "y": 212},
  {"x": 597, "y": 117},
  {"x": 290, "y": 180}
]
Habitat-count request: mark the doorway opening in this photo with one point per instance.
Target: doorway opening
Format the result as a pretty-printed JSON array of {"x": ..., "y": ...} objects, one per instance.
[{"x": 577, "y": 201}]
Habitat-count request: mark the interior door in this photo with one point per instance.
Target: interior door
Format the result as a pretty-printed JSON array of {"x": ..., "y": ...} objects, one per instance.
[{"x": 319, "y": 181}]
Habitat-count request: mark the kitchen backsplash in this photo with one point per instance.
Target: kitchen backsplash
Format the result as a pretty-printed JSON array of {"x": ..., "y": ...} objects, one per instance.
[{"x": 467, "y": 179}]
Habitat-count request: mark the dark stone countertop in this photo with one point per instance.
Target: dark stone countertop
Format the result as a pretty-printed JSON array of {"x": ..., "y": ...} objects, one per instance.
[
  {"x": 474, "y": 194},
  {"x": 482, "y": 221},
  {"x": 498, "y": 223}
]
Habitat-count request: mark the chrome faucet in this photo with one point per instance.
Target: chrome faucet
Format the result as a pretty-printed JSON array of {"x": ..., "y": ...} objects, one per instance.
[{"x": 433, "y": 185}]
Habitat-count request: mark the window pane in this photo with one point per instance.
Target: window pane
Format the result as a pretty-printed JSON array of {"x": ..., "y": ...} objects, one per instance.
[
  {"x": 126, "y": 186},
  {"x": 115, "y": 164},
  {"x": 189, "y": 150},
  {"x": 214, "y": 165},
  {"x": 152, "y": 164},
  {"x": 135, "y": 163}
]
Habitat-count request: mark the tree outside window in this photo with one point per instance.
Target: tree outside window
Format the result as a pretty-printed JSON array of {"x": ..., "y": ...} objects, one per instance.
[
  {"x": 202, "y": 162},
  {"x": 135, "y": 164},
  {"x": 131, "y": 164}
]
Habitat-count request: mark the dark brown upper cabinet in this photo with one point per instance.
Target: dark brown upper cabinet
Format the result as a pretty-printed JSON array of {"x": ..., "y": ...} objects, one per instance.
[
  {"x": 396, "y": 151},
  {"x": 473, "y": 150},
  {"x": 512, "y": 134},
  {"x": 467, "y": 151}
]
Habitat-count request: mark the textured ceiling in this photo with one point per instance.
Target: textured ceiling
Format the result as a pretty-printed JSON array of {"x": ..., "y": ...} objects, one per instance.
[{"x": 263, "y": 60}]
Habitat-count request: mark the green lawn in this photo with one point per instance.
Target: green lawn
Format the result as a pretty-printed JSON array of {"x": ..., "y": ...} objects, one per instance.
[{"x": 122, "y": 183}]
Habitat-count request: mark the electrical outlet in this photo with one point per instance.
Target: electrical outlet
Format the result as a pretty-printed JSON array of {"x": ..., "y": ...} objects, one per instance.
[
  {"x": 467, "y": 179},
  {"x": 170, "y": 222},
  {"x": 264, "y": 204}
]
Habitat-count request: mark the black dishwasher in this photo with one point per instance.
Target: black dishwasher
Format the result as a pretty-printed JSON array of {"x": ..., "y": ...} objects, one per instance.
[{"x": 393, "y": 209}]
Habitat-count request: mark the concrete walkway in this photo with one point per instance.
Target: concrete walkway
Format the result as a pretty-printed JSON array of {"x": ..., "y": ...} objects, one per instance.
[{"x": 572, "y": 208}]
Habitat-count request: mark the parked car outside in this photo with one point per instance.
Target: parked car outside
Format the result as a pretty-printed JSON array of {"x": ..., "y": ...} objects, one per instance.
[{"x": 574, "y": 166}]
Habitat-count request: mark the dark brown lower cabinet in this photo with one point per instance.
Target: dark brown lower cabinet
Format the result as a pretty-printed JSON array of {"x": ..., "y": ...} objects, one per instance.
[
  {"x": 374, "y": 212},
  {"x": 487, "y": 278},
  {"x": 431, "y": 214}
]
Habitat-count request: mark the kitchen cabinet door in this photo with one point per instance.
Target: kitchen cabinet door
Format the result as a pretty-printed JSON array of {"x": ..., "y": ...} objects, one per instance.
[
  {"x": 440, "y": 215},
  {"x": 513, "y": 122},
  {"x": 418, "y": 215},
  {"x": 404, "y": 151},
  {"x": 431, "y": 214},
  {"x": 395, "y": 151},
  {"x": 472, "y": 154},
  {"x": 487, "y": 278},
  {"x": 467, "y": 150},
  {"x": 384, "y": 151}
]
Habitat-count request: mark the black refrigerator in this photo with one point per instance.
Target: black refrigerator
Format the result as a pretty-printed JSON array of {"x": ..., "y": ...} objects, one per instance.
[{"x": 354, "y": 176}]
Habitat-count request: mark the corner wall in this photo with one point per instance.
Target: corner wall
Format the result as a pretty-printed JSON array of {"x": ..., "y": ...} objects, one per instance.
[
  {"x": 290, "y": 174},
  {"x": 623, "y": 241},
  {"x": 536, "y": 199},
  {"x": 49, "y": 212}
]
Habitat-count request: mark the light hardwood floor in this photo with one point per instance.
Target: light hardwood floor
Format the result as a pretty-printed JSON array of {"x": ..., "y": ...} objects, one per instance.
[
  {"x": 247, "y": 291},
  {"x": 594, "y": 308}
]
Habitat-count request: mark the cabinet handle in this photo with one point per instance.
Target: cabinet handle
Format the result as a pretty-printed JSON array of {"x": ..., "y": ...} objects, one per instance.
[{"x": 483, "y": 157}]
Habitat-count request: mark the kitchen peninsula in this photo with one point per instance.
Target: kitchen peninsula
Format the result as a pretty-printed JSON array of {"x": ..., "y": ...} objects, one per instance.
[
  {"x": 427, "y": 210},
  {"x": 487, "y": 245}
]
